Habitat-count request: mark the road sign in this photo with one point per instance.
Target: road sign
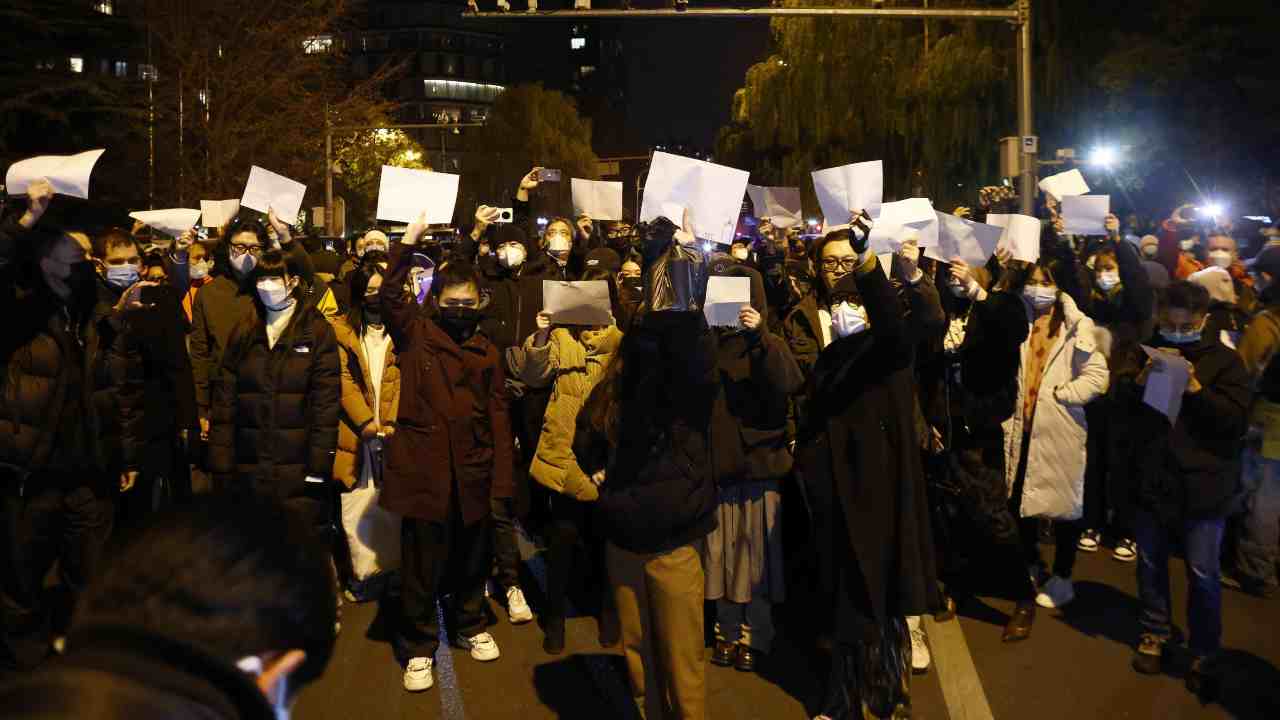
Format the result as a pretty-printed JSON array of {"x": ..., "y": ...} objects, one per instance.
[{"x": 1031, "y": 144}]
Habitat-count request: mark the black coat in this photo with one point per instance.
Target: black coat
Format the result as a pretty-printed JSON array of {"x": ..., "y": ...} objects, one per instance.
[
  {"x": 1191, "y": 470},
  {"x": 275, "y": 410},
  {"x": 859, "y": 451},
  {"x": 127, "y": 673},
  {"x": 659, "y": 493}
]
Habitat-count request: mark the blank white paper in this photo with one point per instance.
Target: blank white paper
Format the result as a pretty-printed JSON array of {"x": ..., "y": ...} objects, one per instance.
[
  {"x": 216, "y": 213},
  {"x": 780, "y": 205},
  {"x": 726, "y": 296},
  {"x": 1065, "y": 184},
  {"x": 585, "y": 302},
  {"x": 843, "y": 189},
  {"x": 405, "y": 193},
  {"x": 266, "y": 190},
  {"x": 68, "y": 174},
  {"x": 1085, "y": 214},
  {"x": 712, "y": 193},
  {"x": 172, "y": 222},
  {"x": 1166, "y": 382},
  {"x": 972, "y": 242},
  {"x": 597, "y": 199}
]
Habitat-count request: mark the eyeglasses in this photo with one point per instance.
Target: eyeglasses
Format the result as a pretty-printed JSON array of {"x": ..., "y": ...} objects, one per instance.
[
  {"x": 238, "y": 250},
  {"x": 845, "y": 264},
  {"x": 456, "y": 303}
]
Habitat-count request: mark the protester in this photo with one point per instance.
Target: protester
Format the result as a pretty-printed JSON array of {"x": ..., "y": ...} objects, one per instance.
[
  {"x": 1224, "y": 253},
  {"x": 1226, "y": 320},
  {"x": 453, "y": 405},
  {"x": 1045, "y": 439},
  {"x": 873, "y": 538},
  {"x": 222, "y": 609},
  {"x": 200, "y": 267},
  {"x": 1188, "y": 482},
  {"x": 630, "y": 285},
  {"x": 571, "y": 360},
  {"x": 374, "y": 239},
  {"x": 54, "y": 475}
]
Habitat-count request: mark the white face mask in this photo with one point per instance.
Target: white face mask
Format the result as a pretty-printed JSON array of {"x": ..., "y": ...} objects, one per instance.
[
  {"x": 1039, "y": 296},
  {"x": 274, "y": 294},
  {"x": 372, "y": 247},
  {"x": 1150, "y": 251},
  {"x": 511, "y": 256},
  {"x": 1187, "y": 244},
  {"x": 740, "y": 253},
  {"x": 1221, "y": 258},
  {"x": 243, "y": 264},
  {"x": 1108, "y": 279},
  {"x": 848, "y": 319},
  {"x": 198, "y": 271}
]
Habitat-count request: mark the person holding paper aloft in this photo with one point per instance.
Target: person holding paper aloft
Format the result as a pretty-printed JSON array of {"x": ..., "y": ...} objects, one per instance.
[
  {"x": 569, "y": 360},
  {"x": 1190, "y": 467},
  {"x": 1045, "y": 438},
  {"x": 1120, "y": 303},
  {"x": 742, "y": 557},
  {"x": 450, "y": 455},
  {"x": 858, "y": 457}
]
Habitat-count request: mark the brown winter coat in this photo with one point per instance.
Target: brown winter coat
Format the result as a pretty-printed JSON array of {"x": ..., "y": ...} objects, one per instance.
[
  {"x": 453, "y": 428},
  {"x": 358, "y": 398}
]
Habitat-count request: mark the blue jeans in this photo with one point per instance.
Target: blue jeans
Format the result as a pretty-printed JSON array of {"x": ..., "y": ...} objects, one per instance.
[
  {"x": 1258, "y": 544},
  {"x": 1202, "y": 540}
]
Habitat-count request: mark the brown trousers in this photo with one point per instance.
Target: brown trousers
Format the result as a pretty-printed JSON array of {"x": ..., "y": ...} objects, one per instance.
[{"x": 659, "y": 600}]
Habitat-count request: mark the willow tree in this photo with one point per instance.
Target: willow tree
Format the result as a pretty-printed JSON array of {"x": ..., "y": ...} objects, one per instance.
[{"x": 930, "y": 103}]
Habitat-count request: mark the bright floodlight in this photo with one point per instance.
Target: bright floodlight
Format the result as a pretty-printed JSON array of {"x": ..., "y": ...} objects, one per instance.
[
  {"x": 813, "y": 222},
  {"x": 1103, "y": 156},
  {"x": 1213, "y": 210}
]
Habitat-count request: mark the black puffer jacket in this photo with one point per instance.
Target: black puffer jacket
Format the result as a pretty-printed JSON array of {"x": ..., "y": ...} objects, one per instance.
[{"x": 275, "y": 410}]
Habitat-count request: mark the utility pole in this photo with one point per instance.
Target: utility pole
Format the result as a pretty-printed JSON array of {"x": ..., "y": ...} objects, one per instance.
[{"x": 1026, "y": 117}]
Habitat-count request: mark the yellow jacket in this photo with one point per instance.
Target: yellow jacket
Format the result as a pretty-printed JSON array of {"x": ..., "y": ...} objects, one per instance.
[{"x": 358, "y": 398}]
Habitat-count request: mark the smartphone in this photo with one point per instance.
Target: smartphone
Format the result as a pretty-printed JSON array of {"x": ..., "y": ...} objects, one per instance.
[
  {"x": 505, "y": 215},
  {"x": 150, "y": 294},
  {"x": 546, "y": 175}
]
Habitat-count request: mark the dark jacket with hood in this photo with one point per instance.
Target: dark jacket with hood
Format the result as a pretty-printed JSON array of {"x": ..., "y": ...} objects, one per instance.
[
  {"x": 859, "y": 451},
  {"x": 1191, "y": 470},
  {"x": 275, "y": 409},
  {"x": 129, "y": 673}
]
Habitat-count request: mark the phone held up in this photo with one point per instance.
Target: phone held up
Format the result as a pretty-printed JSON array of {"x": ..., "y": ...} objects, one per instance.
[
  {"x": 505, "y": 215},
  {"x": 546, "y": 175}
]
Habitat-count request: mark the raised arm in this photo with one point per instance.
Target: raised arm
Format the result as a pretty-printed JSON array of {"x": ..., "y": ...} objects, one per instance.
[{"x": 401, "y": 310}]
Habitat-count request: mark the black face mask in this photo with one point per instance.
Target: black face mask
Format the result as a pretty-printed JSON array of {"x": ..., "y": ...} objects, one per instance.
[
  {"x": 459, "y": 322},
  {"x": 83, "y": 282},
  {"x": 633, "y": 289}
]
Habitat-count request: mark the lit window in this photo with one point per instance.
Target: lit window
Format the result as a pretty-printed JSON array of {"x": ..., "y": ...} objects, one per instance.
[
  {"x": 148, "y": 72},
  {"x": 203, "y": 97},
  {"x": 586, "y": 70},
  {"x": 77, "y": 64},
  {"x": 577, "y": 43},
  {"x": 120, "y": 69},
  {"x": 106, "y": 7},
  {"x": 317, "y": 44}
]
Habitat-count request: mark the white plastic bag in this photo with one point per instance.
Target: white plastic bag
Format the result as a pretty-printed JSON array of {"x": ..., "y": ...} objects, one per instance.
[{"x": 373, "y": 533}]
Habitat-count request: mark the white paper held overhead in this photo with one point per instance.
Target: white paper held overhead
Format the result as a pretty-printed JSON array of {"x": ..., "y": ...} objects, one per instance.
[
  {"x": 779, "y": 205},
  {"x": 1021, "y": 235},
  {"x": 597, "y": 199},
  {"x": 584, "y": 302},
  {"x": 1085, "y": 214},
  {"x": 712, "y": 193},
  {"x": 216, "y": 213},
  {"x": 68, "y": 174},
  {"x": 904, "y": 220},
  {"x": 405, "y": 193},
  {"x": 840, "y": 190},
  {"x": 1065, "y": 184},
  {"x": 726, "y": 296},
  {"x": 972, "y": 242},
  {"x": 266, "y": 191},
  {"x": 172, "y": 222}
]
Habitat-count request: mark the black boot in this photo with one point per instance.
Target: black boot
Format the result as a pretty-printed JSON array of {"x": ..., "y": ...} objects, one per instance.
[{"x": 553, "y": 635}]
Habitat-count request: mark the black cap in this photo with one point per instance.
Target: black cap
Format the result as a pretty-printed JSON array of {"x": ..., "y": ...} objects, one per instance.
[
  {"x": 509, "y": 233},
  {"x": 326, "y": 261},
  {"x": 603, "y": 259}
]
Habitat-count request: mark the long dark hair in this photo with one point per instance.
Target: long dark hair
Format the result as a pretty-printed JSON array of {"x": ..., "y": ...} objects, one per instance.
[
  {"x": 371, "y": 264},
  {"x": 1017, "y": 276}
]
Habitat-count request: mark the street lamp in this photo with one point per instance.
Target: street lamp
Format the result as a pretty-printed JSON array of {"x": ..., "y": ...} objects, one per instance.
[{"x": 1104, "y": 156}]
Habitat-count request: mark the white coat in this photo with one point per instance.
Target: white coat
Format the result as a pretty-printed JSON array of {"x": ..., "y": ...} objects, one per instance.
[{"x": 1074, "y": 375}]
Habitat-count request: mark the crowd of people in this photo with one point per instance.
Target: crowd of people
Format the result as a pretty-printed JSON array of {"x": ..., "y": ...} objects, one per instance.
[{"x": 866, "y": 446}]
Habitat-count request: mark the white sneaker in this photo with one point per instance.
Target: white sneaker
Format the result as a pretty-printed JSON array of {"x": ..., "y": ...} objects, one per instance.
[
  {"x": 1089, "y": 541},
  {"x": 517, "y": 608},
  {"x": 483, "y": 647},
  {"x": 920, "y": 657},
  {"x": 417, "y": 675},
  {"x": 1126, "y": 551},
  {"x": 1056, "y": 593}
]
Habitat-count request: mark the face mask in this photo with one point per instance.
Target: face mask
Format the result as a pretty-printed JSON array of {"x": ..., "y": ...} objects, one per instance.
[
  {"x": 122, "y": 276},
  {"x": 1180, "y": 338},
  {"x": 198, "y": 271},
  {"x": 633, "y": 287},
  {"x": 274, "y": 294},
  {"x": 1108, "y": 279},
  {"x": 244, "y": 264},
  {"x": 1149, "y": 251},
  {"x": 1187, "y": 244},
  {"x": 511, "y": 256},
  {"x": 1040, "y": 297},
  {"x": 459, "y": 322},
  {"x": 80, "y": 278},
  {"x": 371, "y": 247},
  {"x": 1221, "y": 258},
  {"x": 740, "y": 254},
  {"x": 848, "y": 319}
]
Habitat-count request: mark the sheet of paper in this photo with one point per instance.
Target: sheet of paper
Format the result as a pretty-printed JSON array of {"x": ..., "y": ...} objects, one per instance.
[
  {"x": 998, "y": 220},
  {"x": 725, "y": 298},
  {"x": 68, "y": 174},
  {"x": 886, "y": 264},
  {"x": 859, "y": 186},
  {"x": 585, "y": 302},
  {"x": 404, "y": 194},
  {"x": 904, "y": 220},
  {"x": 266, "y": 191},
  {"x": 1021, "y": 236},
  {"x": 1166, "y": 382},
  {"x": 172, "y": 222},
  {"x": 712, "y": 193},
  {"x": 216, "y": 213},
  {"x": 1085, "y": 214},
  {"x": 972, "y": 242},
  {"x": 1065, "y": 184},
  {"x": 597, "y": 199},
  {"x": 780, "y": 205}
]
